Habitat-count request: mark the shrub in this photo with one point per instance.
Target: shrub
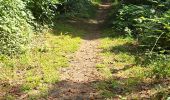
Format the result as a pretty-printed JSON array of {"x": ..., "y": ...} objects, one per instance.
[
  {"x": 125, "y": 19},
  {"x": 43, "y": 10},
  {"x": 15, "y": 30},
  {"x": 155, "y": 32},
  {"x": 148, "y": 23}
]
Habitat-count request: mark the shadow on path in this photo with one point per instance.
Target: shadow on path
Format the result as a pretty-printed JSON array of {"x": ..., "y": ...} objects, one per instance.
[
  {"x": 77, "y": 81},
  {"x": 92, "y": 27}
]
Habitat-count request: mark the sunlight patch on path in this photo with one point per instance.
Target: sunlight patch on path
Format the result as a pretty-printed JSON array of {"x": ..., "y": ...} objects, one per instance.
[{"x": 77, "y": 81}]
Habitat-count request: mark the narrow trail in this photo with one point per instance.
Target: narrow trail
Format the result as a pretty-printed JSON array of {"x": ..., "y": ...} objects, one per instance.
[{"x": 77, "y": 81}]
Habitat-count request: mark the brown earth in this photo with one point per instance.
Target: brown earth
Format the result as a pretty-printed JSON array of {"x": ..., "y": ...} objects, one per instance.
[{"x": 77, "y": 81}]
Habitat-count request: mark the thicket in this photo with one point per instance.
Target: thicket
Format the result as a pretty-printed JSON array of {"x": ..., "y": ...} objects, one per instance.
[
  {"x": 46, "y": 10},
  {"x": 15, "y": 28},
  {"x": 148, "y": 21},
  {"x": 19, "y": 19}
]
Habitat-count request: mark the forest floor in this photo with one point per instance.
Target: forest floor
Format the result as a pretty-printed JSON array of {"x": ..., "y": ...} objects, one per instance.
[
  {"x": 106, "y": 66},
  {"x": 77, "y": 82},
  {"x": 81, "y": 59}
]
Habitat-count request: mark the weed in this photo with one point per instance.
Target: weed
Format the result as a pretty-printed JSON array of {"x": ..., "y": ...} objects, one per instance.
[{"x": 36, "y": 70}]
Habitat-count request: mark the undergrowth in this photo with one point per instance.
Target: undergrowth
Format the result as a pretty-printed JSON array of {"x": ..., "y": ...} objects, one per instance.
[
  {"x": 131, "y": 73},
  {"x": 34, "y": 72}
]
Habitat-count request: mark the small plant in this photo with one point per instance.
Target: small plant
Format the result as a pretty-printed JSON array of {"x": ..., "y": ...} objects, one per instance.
[{"x": 160, "y": 67}]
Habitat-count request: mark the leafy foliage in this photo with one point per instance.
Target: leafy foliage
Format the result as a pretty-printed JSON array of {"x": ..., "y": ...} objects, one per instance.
[
  {"x": 146, "y": 22},
  {"x": 42, "y": 9},
  {"x": 160, "y": 67},
  {"x": 15, "y": 30},
  {"x": 19, "y": 17},
  {"x": 46, "y": 10}
]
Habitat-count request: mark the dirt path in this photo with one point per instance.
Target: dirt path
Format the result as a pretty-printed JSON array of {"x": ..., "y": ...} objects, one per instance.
[{"x": 77, "y": 81}]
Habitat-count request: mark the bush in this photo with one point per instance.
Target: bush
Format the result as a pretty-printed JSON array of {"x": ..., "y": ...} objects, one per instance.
[
  {"x": 42, "y": 10},
  {"x": 45, "y": 11},
  {"x": 155, "y": 32},
  {"x": 15, "y": 30},
  {"x": 125, "y": 19},
  {"x": 148, "y": 23}
]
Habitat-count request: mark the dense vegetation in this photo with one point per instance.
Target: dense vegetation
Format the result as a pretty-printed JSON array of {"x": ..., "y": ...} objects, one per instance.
[
  {"x": 149, "y": 23},
  {"x": 146, "y": 21},
  {"x": 15, "y": 26},
  {"x": 136, "y": 51}
]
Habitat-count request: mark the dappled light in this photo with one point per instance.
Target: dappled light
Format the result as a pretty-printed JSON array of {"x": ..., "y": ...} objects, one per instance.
[{"x": 84, "y": 50}]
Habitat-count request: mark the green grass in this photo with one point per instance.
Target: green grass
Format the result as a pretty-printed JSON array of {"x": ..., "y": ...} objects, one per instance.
[
  {"x": 33, "y": 73},
  {"x": 126, "y": 68}
]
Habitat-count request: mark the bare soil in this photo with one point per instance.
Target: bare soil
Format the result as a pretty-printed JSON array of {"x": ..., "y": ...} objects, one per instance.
[{"x": 77, "y": 81}]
